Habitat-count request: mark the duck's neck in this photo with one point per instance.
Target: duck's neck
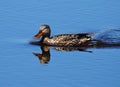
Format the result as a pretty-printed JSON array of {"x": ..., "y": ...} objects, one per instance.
[{"x": 43, "y": 37}]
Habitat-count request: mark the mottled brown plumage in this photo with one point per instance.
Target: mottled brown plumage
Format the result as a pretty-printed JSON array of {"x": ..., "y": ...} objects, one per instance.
[{"x": 80, "y": 39}]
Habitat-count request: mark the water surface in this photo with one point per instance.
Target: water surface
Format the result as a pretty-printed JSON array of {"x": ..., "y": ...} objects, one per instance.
[{"x": 20, "y": 20}]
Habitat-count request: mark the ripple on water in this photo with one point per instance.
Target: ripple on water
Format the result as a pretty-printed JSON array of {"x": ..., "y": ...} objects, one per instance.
[{"x": 109, "y": 36}]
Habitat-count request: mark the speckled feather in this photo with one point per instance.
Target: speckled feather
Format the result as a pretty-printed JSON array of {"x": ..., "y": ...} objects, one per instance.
[{"x": 70, "y": 39}]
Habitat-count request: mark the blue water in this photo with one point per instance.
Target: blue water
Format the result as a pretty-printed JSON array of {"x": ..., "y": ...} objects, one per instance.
[{"x": 20, "y": 21}]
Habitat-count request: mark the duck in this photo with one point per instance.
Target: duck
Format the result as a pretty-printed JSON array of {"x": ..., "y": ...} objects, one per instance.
[{"x": 78, "y": 39}]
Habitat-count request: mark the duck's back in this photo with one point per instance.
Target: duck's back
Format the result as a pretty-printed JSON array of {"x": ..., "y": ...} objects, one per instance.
[{"x": 70, "y": 39}]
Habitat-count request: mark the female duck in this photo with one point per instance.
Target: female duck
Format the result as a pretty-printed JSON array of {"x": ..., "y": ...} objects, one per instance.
[{"x": 80, "y": 39}]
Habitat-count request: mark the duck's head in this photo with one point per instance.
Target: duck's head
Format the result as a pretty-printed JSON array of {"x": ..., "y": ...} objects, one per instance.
[{"x": 44, "y": 31}]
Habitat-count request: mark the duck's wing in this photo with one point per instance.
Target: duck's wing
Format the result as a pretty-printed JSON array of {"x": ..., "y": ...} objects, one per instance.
[{"x": 67, "y": 37}]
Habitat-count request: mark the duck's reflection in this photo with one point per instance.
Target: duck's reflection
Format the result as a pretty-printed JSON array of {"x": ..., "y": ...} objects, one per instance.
[
  {"x": 44, "y": 57},
  {"x": 82, "y": 49}
]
